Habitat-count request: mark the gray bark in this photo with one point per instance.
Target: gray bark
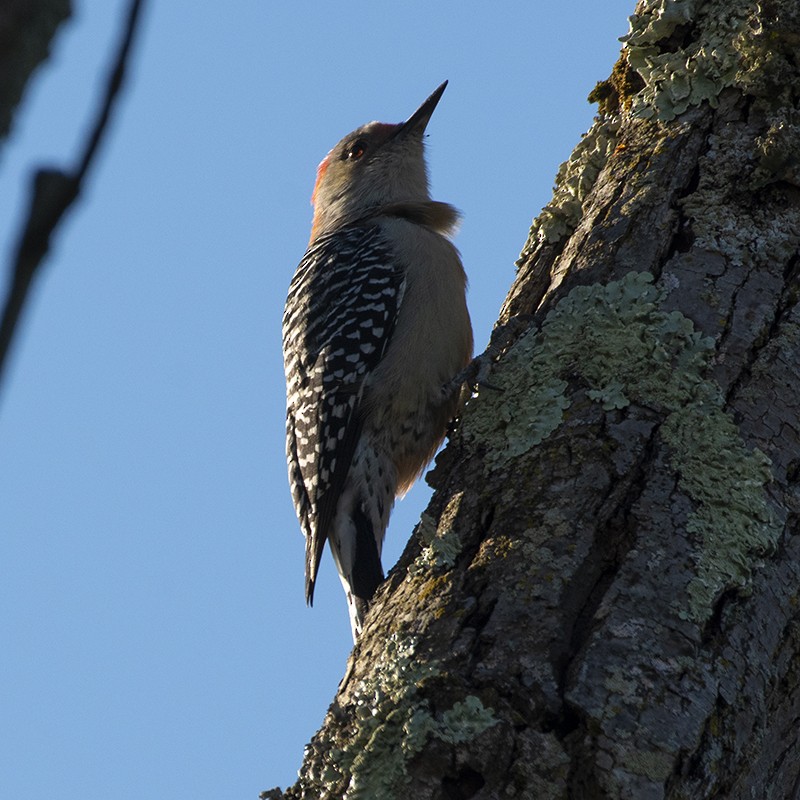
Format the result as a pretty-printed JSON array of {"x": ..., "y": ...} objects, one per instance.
[{"x": 603, "y": 598}]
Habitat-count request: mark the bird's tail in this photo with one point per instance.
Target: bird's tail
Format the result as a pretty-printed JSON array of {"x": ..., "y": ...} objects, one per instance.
[{"x": 359, "y": 567}]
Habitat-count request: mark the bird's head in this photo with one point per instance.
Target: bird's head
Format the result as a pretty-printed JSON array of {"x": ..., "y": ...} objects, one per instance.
[{"x": 376, "y": 165}]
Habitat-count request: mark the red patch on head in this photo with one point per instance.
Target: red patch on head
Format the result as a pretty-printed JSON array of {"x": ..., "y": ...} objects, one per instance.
[{"x": 323, "y": 165}]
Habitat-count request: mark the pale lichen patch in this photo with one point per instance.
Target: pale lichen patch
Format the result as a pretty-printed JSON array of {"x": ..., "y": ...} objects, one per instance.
[
  {"x": 726, "y": 481},
  {"x": 442, "y": 542},
  {"x": 617, "y": 340},
  {"x": 678, "y": 75},
  {"x": 394, "y": 721},
  {"x": 683, "y": 53},
  {"x": 653, "y": 764},
  {"x": 575, "y": 179},
  {"x": 464, "y": 721}
]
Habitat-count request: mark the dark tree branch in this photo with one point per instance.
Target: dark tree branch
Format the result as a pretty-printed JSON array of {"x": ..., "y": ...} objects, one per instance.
[
  {"x": 54, "y": 191},
  {"x": 27, "y": 29}
]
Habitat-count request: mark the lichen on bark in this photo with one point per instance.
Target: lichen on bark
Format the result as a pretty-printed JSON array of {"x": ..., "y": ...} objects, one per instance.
[
  {"x": 392, "y": 722},
  {"x": 626, "y": 349}
]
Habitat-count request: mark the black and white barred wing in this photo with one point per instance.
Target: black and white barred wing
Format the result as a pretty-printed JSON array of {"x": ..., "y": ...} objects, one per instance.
[{"x": 339, "y": 318}]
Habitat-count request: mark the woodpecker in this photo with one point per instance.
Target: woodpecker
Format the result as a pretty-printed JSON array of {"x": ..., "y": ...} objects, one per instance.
[{"x": 374, "y": 330}]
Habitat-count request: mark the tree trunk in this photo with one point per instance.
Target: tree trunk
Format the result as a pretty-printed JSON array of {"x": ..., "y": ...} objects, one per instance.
[{"x": 603, "y": 598}]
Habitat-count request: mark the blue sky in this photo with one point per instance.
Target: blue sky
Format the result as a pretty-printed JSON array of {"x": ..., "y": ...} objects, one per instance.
[{"x": 154, "y": 637}]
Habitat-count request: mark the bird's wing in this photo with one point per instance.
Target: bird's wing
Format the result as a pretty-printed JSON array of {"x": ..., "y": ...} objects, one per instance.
[{"x": 339, "y": 318}]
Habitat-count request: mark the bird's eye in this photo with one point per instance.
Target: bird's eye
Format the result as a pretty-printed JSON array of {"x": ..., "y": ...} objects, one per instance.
[{"x": 356, "y": 150}]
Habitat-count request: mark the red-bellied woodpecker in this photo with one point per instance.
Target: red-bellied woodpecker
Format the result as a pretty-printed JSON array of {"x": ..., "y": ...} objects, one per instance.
[{"x": 374, "y": 331}]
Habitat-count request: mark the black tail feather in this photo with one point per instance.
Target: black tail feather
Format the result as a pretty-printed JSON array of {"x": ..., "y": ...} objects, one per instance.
[{"x": 367, "y": 573}]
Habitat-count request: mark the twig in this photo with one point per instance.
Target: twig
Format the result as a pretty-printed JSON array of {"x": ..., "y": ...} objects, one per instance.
[{"x": 53, "y": 192}]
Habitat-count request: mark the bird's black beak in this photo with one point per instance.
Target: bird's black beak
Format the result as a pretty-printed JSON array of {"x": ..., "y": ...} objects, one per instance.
[{"x": 418, "y": 121}]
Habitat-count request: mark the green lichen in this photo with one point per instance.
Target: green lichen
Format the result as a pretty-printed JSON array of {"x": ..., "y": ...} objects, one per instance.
[
  {"x": 442, "y": 542},
  {"x": 426, "y": 529},
  {"x": 652, "y": 764},
  {"x": 687, "y": 52},
  {"x": 724, "y": 219},
  {"x": 734, "y": 523},
  {"x": 658, "y": 19},
  {"x": 574, "y": 181},
  {"x": 679, "y": 54},
  {"x": 611, "y": 396},
  {"x": 394, "y": 722},
  {"x": 624, "y": 685},
  {"x": 464, "y": 721},
  {"x": 744, "y": 229},
  {"x": 655, "y": 77},
  {"x": 616, "y": 339},
  {"x": 677, "y": 75}
]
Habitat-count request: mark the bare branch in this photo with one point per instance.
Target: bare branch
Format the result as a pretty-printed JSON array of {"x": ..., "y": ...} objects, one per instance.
[
  {"x": 54, "y": 191},
  {"x": 27, "y": 30}
]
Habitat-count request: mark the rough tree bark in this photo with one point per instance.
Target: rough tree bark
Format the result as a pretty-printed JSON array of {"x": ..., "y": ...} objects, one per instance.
[{"x": 603, "y": 598}]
